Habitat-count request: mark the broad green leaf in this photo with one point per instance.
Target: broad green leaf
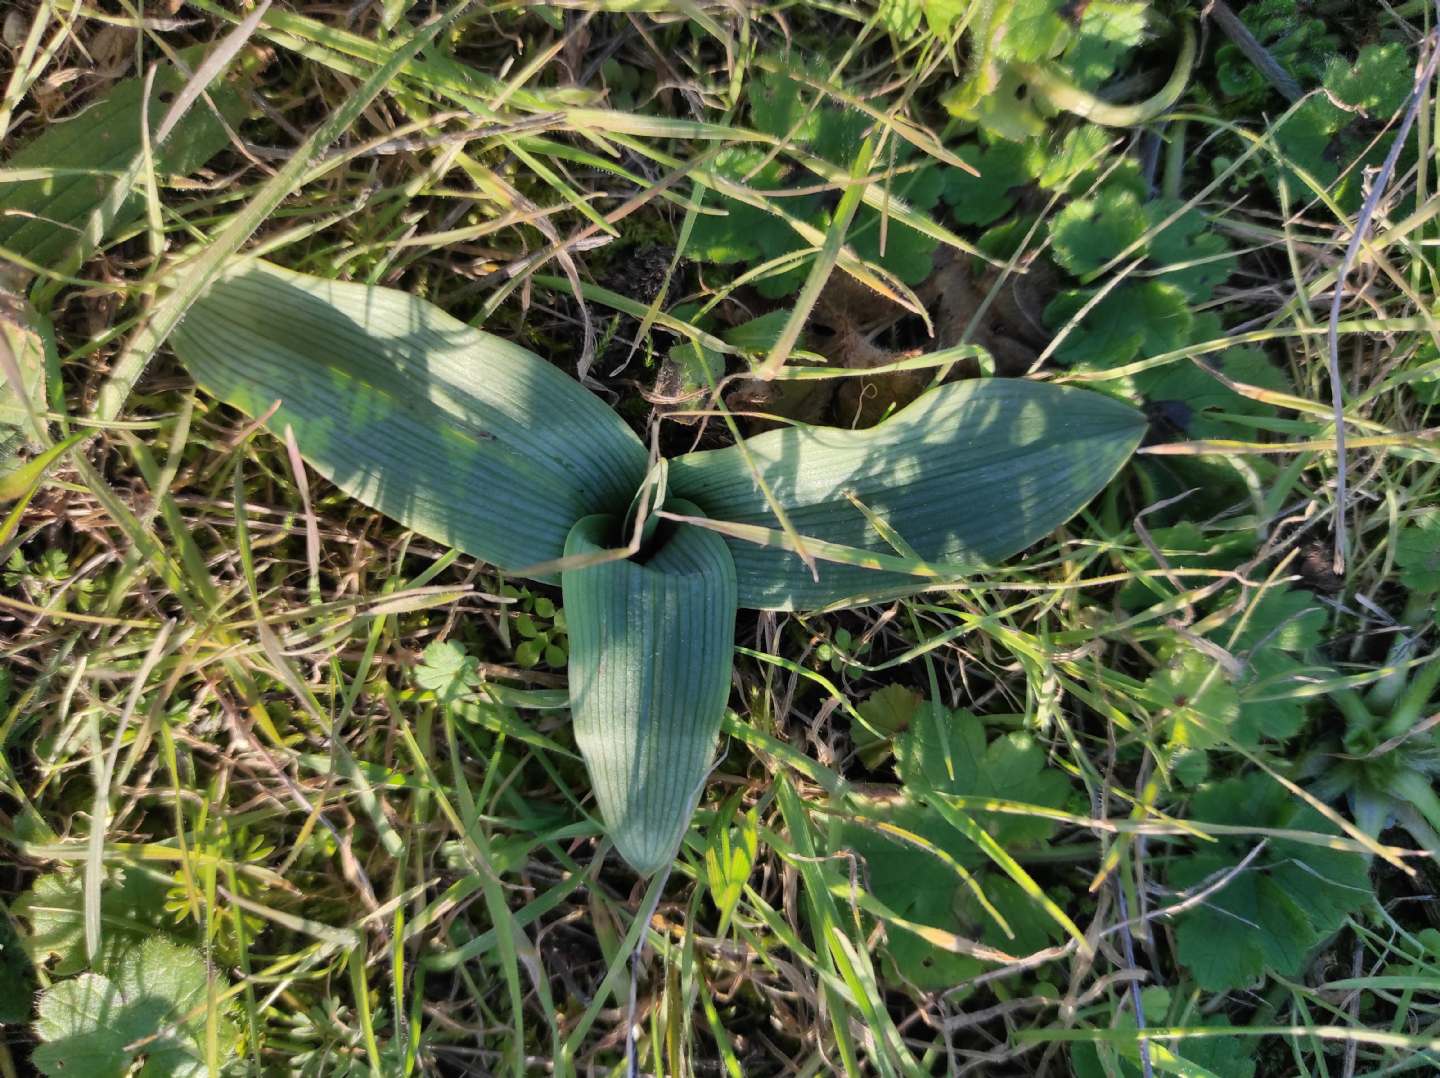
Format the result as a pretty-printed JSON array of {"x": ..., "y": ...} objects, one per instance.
[
  {"x": 1329, "y": 133},
  {"x": 458, "y": 434},
  {"x": 1033, "y": 29},
  {"x": 970, "y": 473},
  {"x": 1287, "y": 619},
  {"x": 1377, "y": 83},
  {"x": 44, "y": 220},
  {"x": 1193, "y": 1057},
  {"x": 150, "y": 1005},
  {"x": 1289, "y": 899},
  {"x": 650, "y": 655},
  {"x": 130, "y": 909},
  {"x": 1091, "y": 231},
  {"x": 1417, "y": 552},
  {"x": 1198, "y": 404}
]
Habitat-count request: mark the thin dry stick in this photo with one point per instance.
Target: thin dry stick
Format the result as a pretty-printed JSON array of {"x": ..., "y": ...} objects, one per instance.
[
  {"x": 1274, "y": 71},
  {"x": 1357, "y": 237}
]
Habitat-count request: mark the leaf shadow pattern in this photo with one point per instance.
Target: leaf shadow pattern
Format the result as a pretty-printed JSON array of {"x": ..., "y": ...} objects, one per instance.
[
  {"x": 464, "y": 437},
  {"x": 483, "y": 446},
  {"x": 967, "y": 476}
]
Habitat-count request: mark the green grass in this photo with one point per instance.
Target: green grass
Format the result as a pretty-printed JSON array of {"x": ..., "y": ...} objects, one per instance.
[{"x": 1171, "y": 768}]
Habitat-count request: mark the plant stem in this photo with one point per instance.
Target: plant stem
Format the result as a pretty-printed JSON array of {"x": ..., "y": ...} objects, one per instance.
[
  {"x": 1352, "y": 706},
  {"x": 1274, "y": 72},
  {"x": 1387, "y": 690},
  {"x": 1411, "y": 706}
]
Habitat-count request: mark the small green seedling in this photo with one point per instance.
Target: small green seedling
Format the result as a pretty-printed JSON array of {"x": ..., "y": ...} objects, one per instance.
[{"x": 482, "y": 445}]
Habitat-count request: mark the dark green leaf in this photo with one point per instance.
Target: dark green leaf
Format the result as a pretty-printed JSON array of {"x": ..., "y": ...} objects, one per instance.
[
  {"x": 1287, "y": 900},
  {"x": 1199, "y": 256},
  {"x": 1003, "y": 168},
  {"x": 969, "y": 473},
  {"x": 43, "y": 220},
  {"x": 650, "y": 654},
  {"x": 459, "y": 435},
  {"x": 1091, "y": 231},
  {"x": 1133, "y": 320},
  {"x": 945, "y": 752}
]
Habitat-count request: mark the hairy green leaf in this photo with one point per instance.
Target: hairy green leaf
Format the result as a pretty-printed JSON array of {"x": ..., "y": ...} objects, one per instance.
[
  {"x": 150, "y": 1005},
  {"x": 969, "y": 474},
  {"x": 650, "y": 655},
  {"x": 458, "y": 434},
  {"x": 131, "y": 908}
]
